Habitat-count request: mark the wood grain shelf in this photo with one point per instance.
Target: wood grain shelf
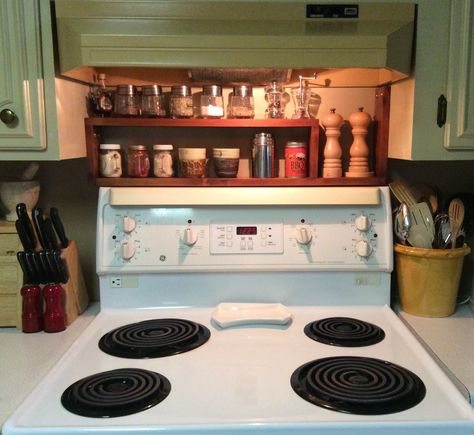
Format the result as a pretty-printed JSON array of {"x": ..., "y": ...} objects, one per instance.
[{"x": 99, "y": 130}]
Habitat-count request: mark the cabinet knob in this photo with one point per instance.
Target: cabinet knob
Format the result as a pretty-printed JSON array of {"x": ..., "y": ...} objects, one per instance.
[{"x": 7, "y": 116}]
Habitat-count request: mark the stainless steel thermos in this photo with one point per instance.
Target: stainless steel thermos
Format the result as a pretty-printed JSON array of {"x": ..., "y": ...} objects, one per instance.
[{"x": 263, "y": 156}]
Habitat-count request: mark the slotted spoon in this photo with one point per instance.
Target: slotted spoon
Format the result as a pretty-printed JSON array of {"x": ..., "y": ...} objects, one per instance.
[{"x": 456, "y": 218}]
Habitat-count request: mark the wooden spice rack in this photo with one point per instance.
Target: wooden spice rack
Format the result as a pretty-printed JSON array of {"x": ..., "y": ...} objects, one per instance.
[{"x": 239, "y": 132}]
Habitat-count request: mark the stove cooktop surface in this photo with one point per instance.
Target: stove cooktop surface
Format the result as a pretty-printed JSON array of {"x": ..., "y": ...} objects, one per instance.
[{"x": 239, "y": 380}]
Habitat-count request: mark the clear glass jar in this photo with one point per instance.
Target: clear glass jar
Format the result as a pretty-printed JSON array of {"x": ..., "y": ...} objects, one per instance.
[
  {"x": 126, "y": 101},
  {"x": 138, "y": 162},
  {"x": 212, "y": 103},
  {"x": 301, "y": 96},
  {"x": 181, "y": 102},
  {"x": 110, "y": 160},
  {"x": 152, "y": 101},
  {"x": 163, "y": 161},
  {"x": 241, "y": 102},
  {"x": 277, "y": 100}
]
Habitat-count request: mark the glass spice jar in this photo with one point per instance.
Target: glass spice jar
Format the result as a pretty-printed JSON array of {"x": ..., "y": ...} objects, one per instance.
[
  {"x": 212, "y": 103},
  {"x": 241, "y": 102},
  {"x": 181, "y": 102},
  {"x": 152, "y": 101},
  {"x": 138, "y": 162},
  {"x": 110, "y": 160},
  {"x": 163, "y": 160},
  {"x": 126, "y": 101}
]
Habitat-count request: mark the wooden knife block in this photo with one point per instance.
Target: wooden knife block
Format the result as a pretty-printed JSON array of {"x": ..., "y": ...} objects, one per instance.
[{"x": 76, "y": 298}]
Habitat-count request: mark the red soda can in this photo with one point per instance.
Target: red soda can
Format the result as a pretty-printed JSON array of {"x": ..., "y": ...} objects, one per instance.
[{"x": 296, "y": 161}]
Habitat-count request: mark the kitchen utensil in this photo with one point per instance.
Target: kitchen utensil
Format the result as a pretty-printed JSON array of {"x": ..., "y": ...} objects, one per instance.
[
  {"x": 54, "y": 316},
  {"x": 31, "y": 316},
  {"x": 23, "y": 217},
  {"x": 402, "y": 192},
  {"x": 50, "y": 234},
  {"x": 38, "y": 224},
  {"x": 402, "y": 223},
  {"x": 24, "y": 239},
  {"x": 61, "y": 266},
  {"x": 14, "y": 192},
  {"x": 425, "y": 193},
  {"x": 456, "y": 218},
  {"x": 422, "y": 230}
]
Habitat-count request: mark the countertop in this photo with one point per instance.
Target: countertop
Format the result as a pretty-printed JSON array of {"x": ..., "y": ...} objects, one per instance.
[
  {"x": 25, "y": 358},
  {"x": 451, "y": 339}
]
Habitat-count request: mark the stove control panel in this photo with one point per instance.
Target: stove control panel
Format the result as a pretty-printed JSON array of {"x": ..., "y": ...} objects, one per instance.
[{"x": 156, "y": 239}]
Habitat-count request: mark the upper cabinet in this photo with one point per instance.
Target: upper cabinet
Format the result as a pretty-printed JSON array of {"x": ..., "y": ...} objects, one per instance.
[
  {"x": 432, "y": 113},
  {"x": 41, "y": 116}
]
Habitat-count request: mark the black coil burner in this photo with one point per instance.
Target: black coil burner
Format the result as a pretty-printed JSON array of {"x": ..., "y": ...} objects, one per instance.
[
  {"x": 344, "y": 331},
  {"x": 116, "y": 393},
  {"x": 154, "y": 338},
  {"x": 358, "y": 385}
]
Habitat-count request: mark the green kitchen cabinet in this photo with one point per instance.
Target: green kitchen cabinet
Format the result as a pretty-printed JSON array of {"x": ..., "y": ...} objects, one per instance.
[
  {"x": 441, "y": 90},
  {"x": 41, "y": 116}
]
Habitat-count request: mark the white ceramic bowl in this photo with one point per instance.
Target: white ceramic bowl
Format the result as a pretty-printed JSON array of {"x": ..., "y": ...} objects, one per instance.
[{"x": 14, "y": 192}]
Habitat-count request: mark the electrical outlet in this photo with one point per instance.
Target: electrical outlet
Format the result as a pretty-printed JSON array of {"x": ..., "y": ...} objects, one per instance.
[{"x": 115, "y": 282}]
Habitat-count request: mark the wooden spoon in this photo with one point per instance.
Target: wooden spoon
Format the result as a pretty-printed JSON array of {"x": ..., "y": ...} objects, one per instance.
[{"x": 456, "y": 218}]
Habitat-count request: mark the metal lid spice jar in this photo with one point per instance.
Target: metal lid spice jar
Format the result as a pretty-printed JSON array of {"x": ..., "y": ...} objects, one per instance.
[
  {"x": 212, "y": 103},
  {"x": 163, "y": 161},
  {"x": 152, "y": 101},
  {"x": 138, "y": 162},
  {"x": 110, "y": 160},
  {"x": 126, "y": 100},
  {"x": 241, "y": 102},
  {"x": 181, "y": 102}
]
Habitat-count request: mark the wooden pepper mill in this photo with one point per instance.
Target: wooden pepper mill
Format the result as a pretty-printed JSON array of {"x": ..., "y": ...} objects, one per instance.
[
  {"x": 332, "y": 166},
  {"x": 359, "y": 151}
]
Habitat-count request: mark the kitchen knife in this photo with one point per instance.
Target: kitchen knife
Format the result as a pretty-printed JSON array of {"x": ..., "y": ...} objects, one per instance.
[
  {"x": 61, "y": 267},
  {"x": 22, "y": 234},
  {"x": 49, "y": 234},
  {"x": 27, "y": 274},
  {"x": 49, "y": 272},
  {"x": 26, "y": 223},
  {"x": 37, "y": 217},
  {"x": 59, "y": 227},
  {"x": 34, "y": 273}
]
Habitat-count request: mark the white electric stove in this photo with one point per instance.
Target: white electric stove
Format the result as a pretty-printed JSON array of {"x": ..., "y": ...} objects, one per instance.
[{"x": 239, "y": 311}]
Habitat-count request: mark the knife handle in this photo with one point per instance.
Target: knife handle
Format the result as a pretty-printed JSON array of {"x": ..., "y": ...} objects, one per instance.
[
  {"x": 49, "y": 234},
  {"x": 37, "y": 217},
  {"x": 59, "y": 227},
  {"x": 24, "y": 239}
]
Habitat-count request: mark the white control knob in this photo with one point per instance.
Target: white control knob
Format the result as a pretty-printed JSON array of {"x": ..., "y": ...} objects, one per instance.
[
  {"x": 190, "y": 237},
  {"x": 303, "y": 235},
  {"x": 363, "y": 248},
  {"x": 129, "y": 224},
  {"x": 128, "y": 250},
  {"x": 362, "y": 222}
]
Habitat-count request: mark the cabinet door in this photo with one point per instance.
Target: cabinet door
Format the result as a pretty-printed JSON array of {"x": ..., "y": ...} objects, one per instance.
[
  {"x": 459, "y": 132},
  {"x": 21, "y": 83}
]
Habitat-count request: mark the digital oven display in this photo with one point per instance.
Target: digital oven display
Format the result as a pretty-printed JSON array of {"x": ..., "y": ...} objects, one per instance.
[{"x": 246, "y": 231}]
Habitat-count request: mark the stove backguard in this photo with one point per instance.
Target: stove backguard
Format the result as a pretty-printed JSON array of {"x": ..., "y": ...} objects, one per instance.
[{"x": 182, "y": 246}]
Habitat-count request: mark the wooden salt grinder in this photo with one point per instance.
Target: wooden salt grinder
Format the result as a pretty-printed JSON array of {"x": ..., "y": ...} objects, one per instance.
[
  {"x": 359, "y": 151},
  {"x": 332, "y": 166}
]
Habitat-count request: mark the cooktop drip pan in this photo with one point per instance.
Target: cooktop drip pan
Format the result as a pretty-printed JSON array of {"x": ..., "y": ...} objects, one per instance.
[
  {"x": 116, "y": 393},
  {"x": 358, "y": 385},
  {"x": 344, "y": 331},
  {"x": 154, "y": 338}
]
